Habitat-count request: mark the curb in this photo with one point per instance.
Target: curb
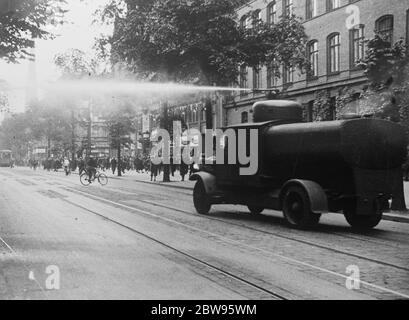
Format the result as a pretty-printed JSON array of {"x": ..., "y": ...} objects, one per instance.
[
  {"x": 160, "y": 184},
  {"x": 396, "y": 217}
]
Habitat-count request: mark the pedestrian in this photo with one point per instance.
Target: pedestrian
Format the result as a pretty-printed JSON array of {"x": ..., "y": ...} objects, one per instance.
[
  {"x": 154, "y": 171},
  {"x": 184, "y": 169},
  {"x": 66, "y": 165},
  {"x": 113, "y": 165}
]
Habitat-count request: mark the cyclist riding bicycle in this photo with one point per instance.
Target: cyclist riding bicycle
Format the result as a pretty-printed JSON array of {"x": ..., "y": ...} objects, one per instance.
[{"x": 92, "y": 168}]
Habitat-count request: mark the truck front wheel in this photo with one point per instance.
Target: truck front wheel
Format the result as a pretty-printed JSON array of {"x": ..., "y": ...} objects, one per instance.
[
  {"x": 297, "y": 208},
  {"x": 201, "y": 200}
]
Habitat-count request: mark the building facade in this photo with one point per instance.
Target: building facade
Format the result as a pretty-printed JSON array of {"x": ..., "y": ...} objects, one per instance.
[{"x": 336, "y": 31}]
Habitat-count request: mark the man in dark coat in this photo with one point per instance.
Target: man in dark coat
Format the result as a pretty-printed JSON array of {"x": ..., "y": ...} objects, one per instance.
[{"x": 113, "y": 165}]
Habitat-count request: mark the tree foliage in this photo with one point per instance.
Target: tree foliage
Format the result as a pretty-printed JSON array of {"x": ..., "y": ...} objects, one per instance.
[
  {"x": 22, "y": 21},
  {"x": 198, "y": 41},
  {"x": 387, "y": 69},
  {"x": 120, "y": 125},
  {"x": 75, "y": 64},
  {"x": 4, "y": 103},
  {"x": 384, "y": 63}
]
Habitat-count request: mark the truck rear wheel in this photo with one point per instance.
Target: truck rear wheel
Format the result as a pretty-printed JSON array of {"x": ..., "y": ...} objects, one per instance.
[
  {"x": 201, "y": 200},
  {"x": 363, "y": 222},
  {"x": 297, "y": 208}
]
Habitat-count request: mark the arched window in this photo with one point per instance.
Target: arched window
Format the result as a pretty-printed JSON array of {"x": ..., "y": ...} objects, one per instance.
[
  {"x": 272, "y": 75},
  {"x": 384, "y": 26},
  {"x": 334, "y": 46},
  {"x": 256, "y": 77},
  {"x": 312, "y": 51},
  {"x": 243, "y": 76},
  {"x": 288, "y": 74},
  {"x": 357, "y": 48},
  {"x": 242, "y": 21},
  {"x": 272, "y": 12},
  {"x": 244, "y": 117},
  {"x": 256, "y": 17}
]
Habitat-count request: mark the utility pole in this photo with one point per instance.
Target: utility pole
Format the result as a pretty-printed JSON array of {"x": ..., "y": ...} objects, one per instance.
[
  {"x": 72, "y": 138},
  {"x": 166, "y": 124}
]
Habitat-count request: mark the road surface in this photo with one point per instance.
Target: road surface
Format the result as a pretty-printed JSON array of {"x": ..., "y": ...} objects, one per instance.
[{"x": 133, "y": 240}]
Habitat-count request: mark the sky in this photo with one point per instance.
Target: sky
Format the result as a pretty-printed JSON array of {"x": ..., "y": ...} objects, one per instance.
[{"x": 78, "y": 33}]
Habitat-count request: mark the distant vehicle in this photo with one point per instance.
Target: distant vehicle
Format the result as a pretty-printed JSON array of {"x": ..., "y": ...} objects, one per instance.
[
  {"x": 6, "y": 158},
  {"x": 309, "y": 169}
]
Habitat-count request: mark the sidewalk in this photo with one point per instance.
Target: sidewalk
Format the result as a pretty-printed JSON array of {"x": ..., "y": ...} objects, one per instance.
[{"x": 176, "y": 182}]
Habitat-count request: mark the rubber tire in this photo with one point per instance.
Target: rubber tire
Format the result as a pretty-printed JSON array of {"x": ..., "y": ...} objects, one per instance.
[
  {"x": 304, "y": 218},
  {"x": 363, "y": 223},
  {"x": 201, "y": 200},
  {"x": 255, "y": 209},
  {"x": 84, "y": 179},
  {"x": 102, "y": 179}
]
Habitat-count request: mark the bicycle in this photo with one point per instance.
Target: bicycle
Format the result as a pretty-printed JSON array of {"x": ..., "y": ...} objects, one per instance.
[{"x": 86, "y": 181}]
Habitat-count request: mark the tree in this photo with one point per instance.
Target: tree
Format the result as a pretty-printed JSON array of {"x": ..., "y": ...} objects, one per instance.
[
  {"x": 52, "y": 123},
  {"x": 4, "y": 103},
  {"x": 199, "y": 41},
  {"x": 120, "y": 127},
  {"x": 22, "y": 21},
  {"x": 16, "y": 134}
]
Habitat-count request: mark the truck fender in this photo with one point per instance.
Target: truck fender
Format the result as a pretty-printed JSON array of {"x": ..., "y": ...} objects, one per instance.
[
  {"x": 209, "y": 181},
  {"x": 318, "y": 198}
]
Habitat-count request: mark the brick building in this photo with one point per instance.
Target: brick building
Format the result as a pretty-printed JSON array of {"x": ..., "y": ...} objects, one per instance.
[{"x": 333, "y": 48}]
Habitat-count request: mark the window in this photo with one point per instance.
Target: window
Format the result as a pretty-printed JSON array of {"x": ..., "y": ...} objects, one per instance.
[
  {"x": 256, "y": 18},
  {"x": 256, "y": 78},
  {"x": 332, "y": 5},
  {"x": 312, "y": 51},
  {"x": 243, "y": 21},
  {"x": 272, "y": 12},
  {"x": 311, "y": 9},
  {"x": 334, "y": 53},
  {"x": 271, "y": 76},
  {"x": 249, "y": 22},
  {"x": 357, "y": 49},
  {"x": 288, "y": 7},
  {"x": 243, "y": 79},
  {"x": 288, "y": 73},
  {"x": 384, "y": 26},
  {"x": 407, "y": 28},
  {"x": 244, "y": 117}
]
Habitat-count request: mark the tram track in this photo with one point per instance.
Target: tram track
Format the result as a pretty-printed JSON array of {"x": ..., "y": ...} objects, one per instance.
[
  {"x": 239, "y": 243},
  {"x": 274, "y": 234},
  {"x": 185, "y": 254}
]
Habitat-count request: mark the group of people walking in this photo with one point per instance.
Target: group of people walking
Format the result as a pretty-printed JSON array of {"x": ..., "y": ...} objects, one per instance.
[{"x": 140, "y": 164}]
